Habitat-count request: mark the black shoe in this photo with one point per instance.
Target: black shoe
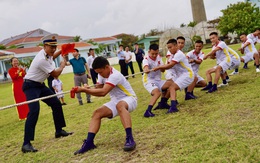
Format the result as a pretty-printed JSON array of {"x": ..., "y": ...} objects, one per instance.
[
  {"x": 245, "y": 67},
  {"x": 80, "y": 103},
  {"x": 62, "y": 133},
  {"x": 89, "y": 101},
  {"x": 28, "y": 148}
]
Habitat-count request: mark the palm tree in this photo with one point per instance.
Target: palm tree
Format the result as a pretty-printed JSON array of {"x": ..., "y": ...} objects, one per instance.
[{"x": 77, "y": 38}]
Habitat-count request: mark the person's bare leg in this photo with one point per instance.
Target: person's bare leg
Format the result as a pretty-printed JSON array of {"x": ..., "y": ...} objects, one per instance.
[
  {"x": 192, "y": 85},
  {"x": 217, "y": 74},
  {"x": 201, "y": 83},
  {"x": 122, "y": 109},
  {"x": 209, "y": 78},
  {"x": 98, "y": 114}
]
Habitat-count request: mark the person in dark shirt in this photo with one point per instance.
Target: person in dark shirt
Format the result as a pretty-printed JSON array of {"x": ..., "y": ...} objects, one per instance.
[
  {"x": 5, "y": 76},
  {"x": 139, "y": 56}
]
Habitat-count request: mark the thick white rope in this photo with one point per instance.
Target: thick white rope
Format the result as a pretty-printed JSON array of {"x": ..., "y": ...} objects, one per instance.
[
  {"x": 47, "y": 97},
  {"x": 34, "y": 100}
]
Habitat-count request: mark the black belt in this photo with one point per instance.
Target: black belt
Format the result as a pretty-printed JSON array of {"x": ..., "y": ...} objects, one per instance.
[
  {"x": 31, "y": 81},
  {"x": 80, "y": 74}
]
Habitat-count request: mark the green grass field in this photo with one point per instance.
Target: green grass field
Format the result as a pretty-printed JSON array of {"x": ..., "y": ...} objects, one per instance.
[{"x": 219, "y": 127}]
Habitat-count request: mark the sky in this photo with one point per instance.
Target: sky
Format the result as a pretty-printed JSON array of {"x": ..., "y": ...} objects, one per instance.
[{"x": 98, "y": 18}]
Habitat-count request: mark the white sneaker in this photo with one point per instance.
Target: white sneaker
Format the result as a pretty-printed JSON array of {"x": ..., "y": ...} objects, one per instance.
[
  {"x": 228, "y": 80},
  {"x": 234, "y": 73},
  {"x": 257, "y": 70},
  {"x": 222, "y": 85}
]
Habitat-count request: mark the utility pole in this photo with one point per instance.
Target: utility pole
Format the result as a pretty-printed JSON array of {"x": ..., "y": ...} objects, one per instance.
[{"x": 198, "y": 11}]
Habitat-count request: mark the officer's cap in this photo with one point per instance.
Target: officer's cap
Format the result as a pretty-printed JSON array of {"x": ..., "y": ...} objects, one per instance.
[{"x": 50, "y": 39}]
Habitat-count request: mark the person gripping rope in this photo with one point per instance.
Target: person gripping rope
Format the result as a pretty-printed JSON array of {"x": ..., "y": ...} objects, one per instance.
[
  {"x": 184, "y": 74},
  {"x": 195, "y": 59},
  {"x": 34, "y": 87},
  {"x": 152, "y": 80},
  {"x": 220, "y": 52},
  {"x": 123, "y": 101}
]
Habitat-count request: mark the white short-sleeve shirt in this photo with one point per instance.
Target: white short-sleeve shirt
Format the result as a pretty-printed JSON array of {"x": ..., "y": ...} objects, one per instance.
[
  {"x": 252, "y": 37},
  {"x": 222, "y": 54},
  {"x": 233, "y": 53},
  {"x": 121, "y": 89},
  {"x": 41, "y": 67},
  {"x": 182, "y": 67},
  {"x": 250, "y": 48},
  {"x": 193, "y": 55},
  {"x": 152, "y": 63},
  {"x": 128, "y": 55},
  {"x": 90, "y": 60}
]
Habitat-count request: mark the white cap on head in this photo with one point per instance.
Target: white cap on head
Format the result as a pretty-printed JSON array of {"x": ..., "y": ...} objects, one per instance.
[{"x": 50, "y": 39}]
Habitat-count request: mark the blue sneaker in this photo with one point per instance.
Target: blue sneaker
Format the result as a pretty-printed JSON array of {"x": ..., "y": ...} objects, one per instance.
[
  {"x": 212, "y": 90},
  {"x": 208, "y": 87},
  {"x": 148, "y": 114},
  {"x": 165, "y": 105},
  {"x": 86, "y": 146},
  {"x": 195, "y": 97},
  {"x": 129, "y": 144},
  {"x": 172, "y": 109},
  {"x": 162, "y": 106},
  {"x": 189, "y": 96}
]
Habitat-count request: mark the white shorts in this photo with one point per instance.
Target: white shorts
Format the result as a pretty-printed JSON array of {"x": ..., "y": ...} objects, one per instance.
[
  {"x": 199, "y": 78},
  {"x": 150, "y": 86},
  {"x": 248, "y": 57},
  {"x": 169, "y": 75},
  {"x": 130, "y": 100},
  {"x": 224, "y": 65},
  {"x": 184, "y": 81},
  {"x": 234, "y": 64}
]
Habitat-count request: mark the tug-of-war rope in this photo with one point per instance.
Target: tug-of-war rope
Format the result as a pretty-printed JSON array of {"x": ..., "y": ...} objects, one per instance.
[{"x": 50, "y": 96}]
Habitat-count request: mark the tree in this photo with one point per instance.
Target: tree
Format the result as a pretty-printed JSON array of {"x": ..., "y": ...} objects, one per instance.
[
  {"x": 2, "y": 47},
  {"x": 192, "y": 24},
  {"x": 12, "y": 47},
  {"x": 101, "y": 47},
  {"x": 195, "y": 38},
  {"x": 26, "y": 62},
  {"x": 142, "y": 36},
  {"x": 193, "y": 35},
  {"x": 182, "y": 25},
  {"x": 242, "y": 17},
  {"x": 128, "y": 40},
  {"x": 77, "y": 38},
  {"x": 154, "y": 32}
]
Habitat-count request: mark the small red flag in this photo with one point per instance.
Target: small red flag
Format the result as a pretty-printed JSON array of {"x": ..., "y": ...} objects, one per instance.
[{"x": 67, "y": 48}]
